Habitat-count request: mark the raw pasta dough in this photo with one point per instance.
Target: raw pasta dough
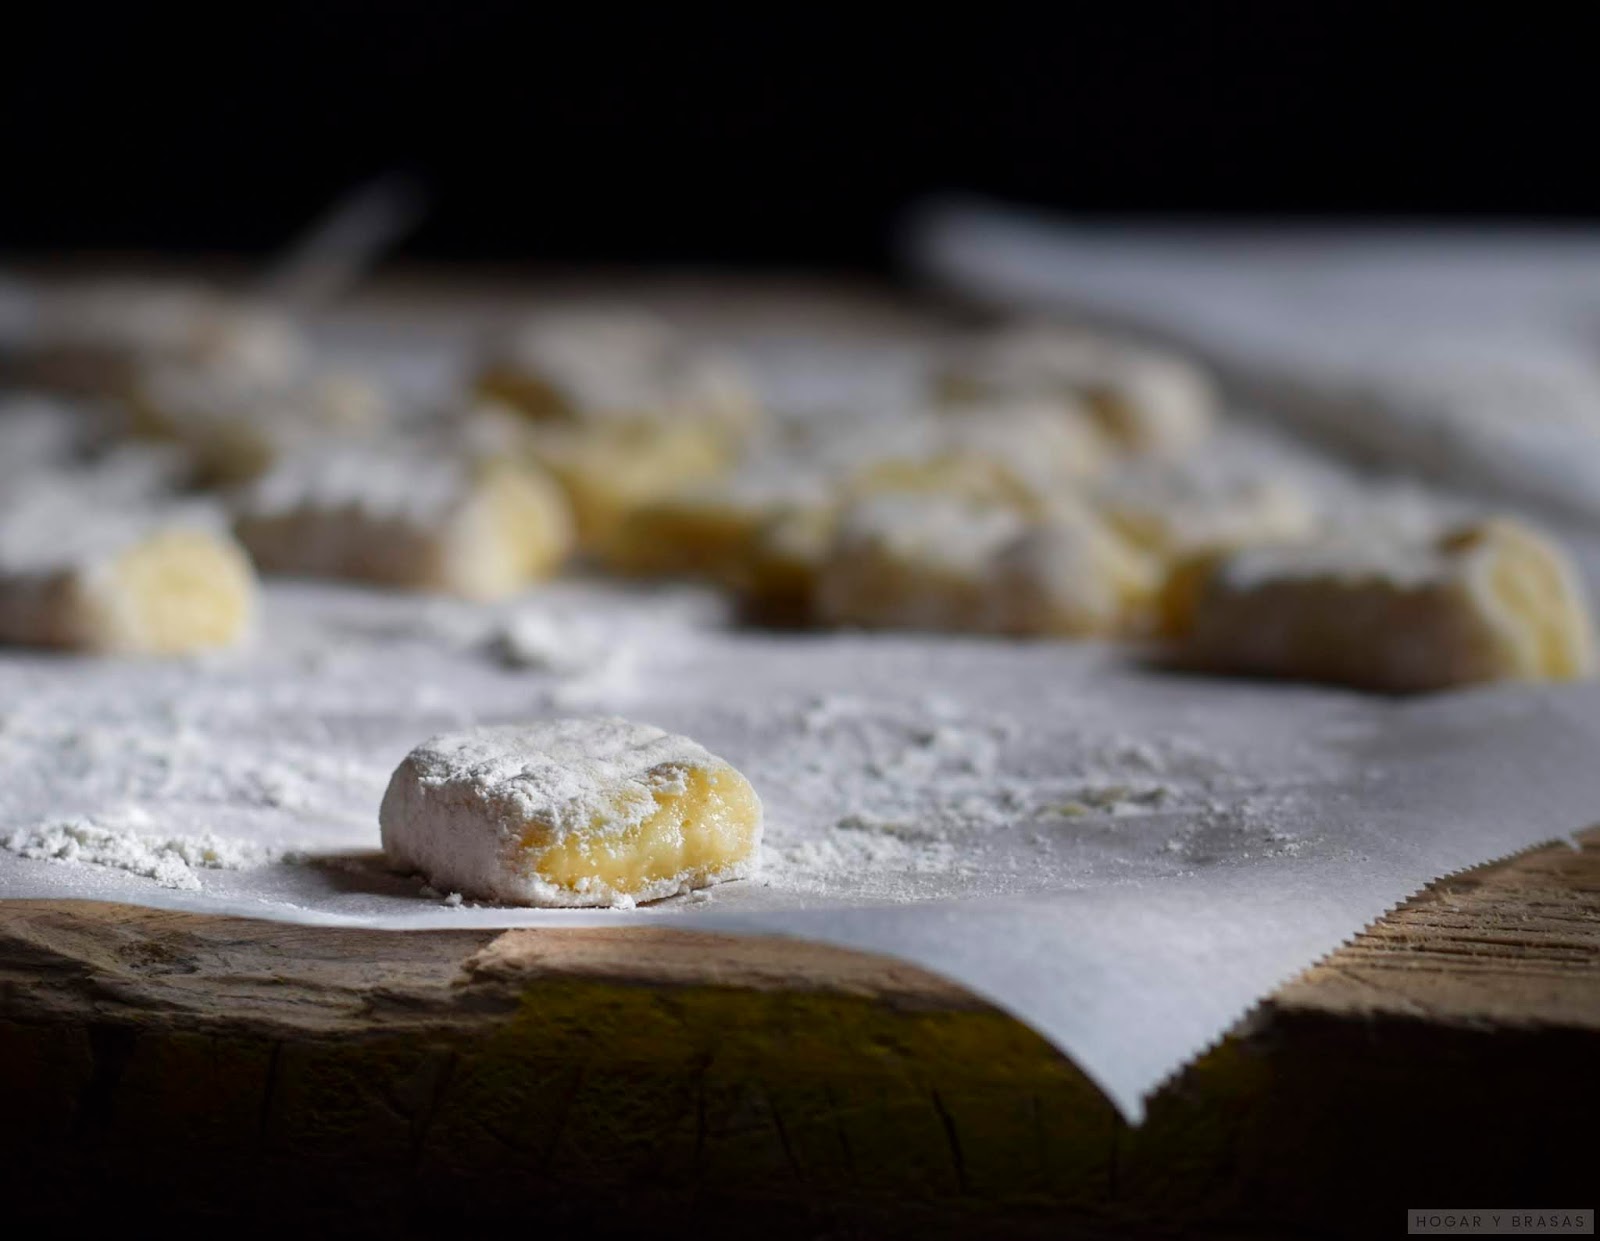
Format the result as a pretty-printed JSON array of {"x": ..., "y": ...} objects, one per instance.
[{"x": 571, "y": 812}]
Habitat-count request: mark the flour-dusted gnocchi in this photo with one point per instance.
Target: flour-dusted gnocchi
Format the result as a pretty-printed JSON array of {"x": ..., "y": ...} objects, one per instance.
[
  {"x": 1143, "y": 399},
  {"x": 1483, "y": 601},
  {"x": 571, "y": 812},
  {"x": 95, "y": 337},
  {"x": 236, "y": 428},
  {"x": 79, "y": 573},
  {"x": 936, "y": 562},
  {"x": 1175, "y": 508},
  {"x": 437, "y": 521},
  {"x": 614, "y": 367}
]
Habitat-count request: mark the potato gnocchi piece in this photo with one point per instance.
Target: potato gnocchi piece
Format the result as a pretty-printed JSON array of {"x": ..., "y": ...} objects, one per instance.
[
  {"x": 94, "y": 338},
  {"x": 1176, "y": 509},
  {"x": 761, "y": 538},
  {"x": 1071, "y": 576},
  {"x": 613, "y": 367},
  {"x": 764, "y": 531},
  {"x": 1484, "y": 601},
  {"x": 1032, "y": 435},
  {"x": 939, "y": 563},
  {"x": 236, "y": 429},
  {"x": 700, "y": 533},
  {"x": 609, "y": 472},
  {"x": 1020, "y": 455},
  {"x": 966, "y": 479},
  {"x": 1143, "y": 399},
  {"x": 78, "y": 574},
  {"x": 910, "y": 561},
  {"x": 570, "y": 812},
  {"x": 709, "y": 531},
  {"x": 779, "y": 584},
  {"x": 1038, "y": 438},
  {"x": 448, "y": 523}
]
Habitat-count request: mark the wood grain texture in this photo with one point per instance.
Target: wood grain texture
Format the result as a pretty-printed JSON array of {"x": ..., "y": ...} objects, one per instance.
[{"x": 244, "y": 1071}]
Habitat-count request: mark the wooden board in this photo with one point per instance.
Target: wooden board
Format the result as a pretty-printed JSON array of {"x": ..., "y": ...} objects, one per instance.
[{"x": 241, "y": 1070}]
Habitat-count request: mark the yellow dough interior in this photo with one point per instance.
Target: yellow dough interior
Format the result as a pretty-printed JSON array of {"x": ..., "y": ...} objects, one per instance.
[
  {"x": 684, "y": 536},
  {"x": 515, "y": 530},
  {"x": 178, "y": 590},
  {"x": 780, "y": 576},
  {"x": 1100, "y": 585},
  {"x": 705, "y": 826},
  {"x": 1178, "y": 597},
  {"x": 1536, "y": 599},
  {"x": 609, "y": 472},
  {"x": 528, "y": 394},
  {"x": 974, "y": 478},
  {"x": 226, "y": 449}
]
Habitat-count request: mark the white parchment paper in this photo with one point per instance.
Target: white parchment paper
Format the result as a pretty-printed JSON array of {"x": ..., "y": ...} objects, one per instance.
[
  {"x": 1124, "y": 857},
  {"x": 1470, "y": 357}
]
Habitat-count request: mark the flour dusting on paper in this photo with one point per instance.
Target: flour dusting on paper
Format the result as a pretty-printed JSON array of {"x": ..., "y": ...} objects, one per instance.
[
  {"x": 170, "y": 861},
  {"x": 1125, "y": 858}
]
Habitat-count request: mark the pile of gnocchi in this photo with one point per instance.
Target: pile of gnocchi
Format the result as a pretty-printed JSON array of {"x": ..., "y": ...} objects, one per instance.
[{"x": 161, "y": 447}]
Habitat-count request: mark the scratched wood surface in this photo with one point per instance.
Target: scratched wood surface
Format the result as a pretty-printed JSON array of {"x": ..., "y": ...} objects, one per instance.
[{"x": 243, "y": 1071}]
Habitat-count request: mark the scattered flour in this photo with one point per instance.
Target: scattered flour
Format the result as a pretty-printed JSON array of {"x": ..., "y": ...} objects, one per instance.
[
  {"x": 595, "y": 650},
  {"x": 563, "y": 646},
  {"x": 892, "y": 769},
  {"x": 928, "y": 788},
  {"x": 1252, "y": 828},
  {"x": 116, "y": 843},
  {"x": 873, "y": 855}
]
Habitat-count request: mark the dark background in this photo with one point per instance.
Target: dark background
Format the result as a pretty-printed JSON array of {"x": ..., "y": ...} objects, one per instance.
[{"x": 784, "y": 137}]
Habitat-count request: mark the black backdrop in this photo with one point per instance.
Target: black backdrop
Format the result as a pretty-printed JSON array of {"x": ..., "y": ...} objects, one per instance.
[{"x": 782, "y": 137}]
